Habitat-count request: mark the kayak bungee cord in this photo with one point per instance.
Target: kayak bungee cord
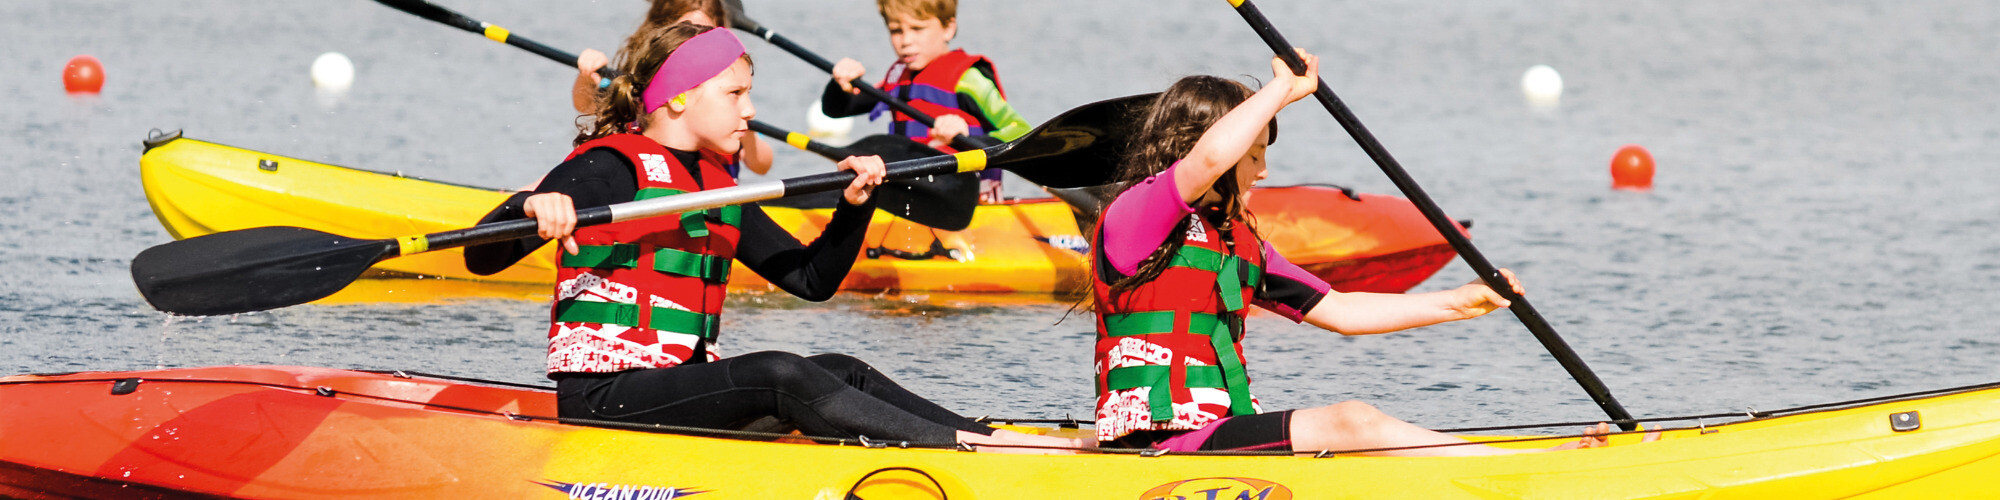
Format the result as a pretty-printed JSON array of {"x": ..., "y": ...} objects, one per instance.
[{"x": 129, "y": 384}]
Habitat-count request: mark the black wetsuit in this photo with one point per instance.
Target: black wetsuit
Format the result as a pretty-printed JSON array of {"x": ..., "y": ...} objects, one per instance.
[{"x": 826, "y": 395}]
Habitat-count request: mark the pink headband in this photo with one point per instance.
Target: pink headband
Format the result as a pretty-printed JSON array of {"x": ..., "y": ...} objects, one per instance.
[{"x": 697, "y": 60}]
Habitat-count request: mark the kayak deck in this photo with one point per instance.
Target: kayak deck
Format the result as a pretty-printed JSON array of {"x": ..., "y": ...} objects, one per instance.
[{"x": 294, "y": 432}]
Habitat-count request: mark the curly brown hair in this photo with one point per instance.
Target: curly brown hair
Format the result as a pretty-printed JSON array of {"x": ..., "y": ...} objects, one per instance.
[{"x": 622, "y": 104}]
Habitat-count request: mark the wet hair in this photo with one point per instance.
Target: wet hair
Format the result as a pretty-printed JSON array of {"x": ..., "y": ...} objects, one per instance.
[
  {"x": 622, "y": 103},
  {"x": 942, "y": 10},
  {"x": 1168, "y": 130},
  {"x": 668, "y": 12}
]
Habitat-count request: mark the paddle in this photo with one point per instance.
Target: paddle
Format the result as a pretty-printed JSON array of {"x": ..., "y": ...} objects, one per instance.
[
  {"x": 270, "y": 267},
  {"x": 737, "y": 19},
  {"x": 945, "y": 202},
  {"x": 940, "y": 202},
  {"x": 1527, "y": 314}
]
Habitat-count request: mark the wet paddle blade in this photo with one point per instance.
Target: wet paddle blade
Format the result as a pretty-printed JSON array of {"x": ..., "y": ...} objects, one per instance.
[
  {"x": 940, "y": 201},
  {"x": 252, "y": 269},
  {"x": 1078, "y": 148}
]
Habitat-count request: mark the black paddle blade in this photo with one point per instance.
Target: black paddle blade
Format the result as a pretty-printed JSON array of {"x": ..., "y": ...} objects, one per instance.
[
  {"x": 940, "y": 201},
  {"x": 252, "y": 270},
  {"x": 427, "y": 10},
  {"x": 1081, "y": 147}
]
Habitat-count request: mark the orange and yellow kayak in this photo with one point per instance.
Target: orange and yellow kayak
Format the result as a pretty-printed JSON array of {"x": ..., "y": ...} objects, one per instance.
[
  {"x": 297, "y": 432},
  {"x": 1356, "y": 241}
]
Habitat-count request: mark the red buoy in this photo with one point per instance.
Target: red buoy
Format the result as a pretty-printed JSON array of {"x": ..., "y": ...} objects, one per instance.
[
  {"x": 1632, "y": 168},
  {"x": 83, "y": 75}
]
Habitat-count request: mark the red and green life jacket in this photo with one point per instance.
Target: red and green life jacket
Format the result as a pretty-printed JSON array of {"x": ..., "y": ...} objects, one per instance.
[
  {"x": 1169, "y": 352},
  {"x": 934, "y": 91},
  {"x": 646, "y": 293}
]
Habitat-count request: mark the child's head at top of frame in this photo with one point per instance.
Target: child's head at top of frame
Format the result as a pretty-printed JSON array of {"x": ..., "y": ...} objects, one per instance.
[
  {"x": 702, "y": 12},
  {"x": 919, "y": 30}
]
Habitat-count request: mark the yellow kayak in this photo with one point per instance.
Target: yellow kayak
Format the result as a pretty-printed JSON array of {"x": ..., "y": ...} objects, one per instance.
[
  {"x": 1356, "y": 241},
  {"x": 301, "y": 432}
]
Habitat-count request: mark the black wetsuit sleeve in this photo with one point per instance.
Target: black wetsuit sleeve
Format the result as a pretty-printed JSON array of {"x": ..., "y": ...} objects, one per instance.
[
  {"x": 811, "y": 271},
  {"x": 839, "y": 104},
  {"x": 596, "y": 178}
]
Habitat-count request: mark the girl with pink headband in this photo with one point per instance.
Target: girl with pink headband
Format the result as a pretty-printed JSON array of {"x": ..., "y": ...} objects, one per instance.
[
  {"x": 584, "y": 93},
  {"x": 637, "y": 310}
]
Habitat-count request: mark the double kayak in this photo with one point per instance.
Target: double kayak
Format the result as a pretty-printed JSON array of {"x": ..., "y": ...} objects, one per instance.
[
  {"x": 298, "y": 432},
  {"x": 1355, "y": 241}
]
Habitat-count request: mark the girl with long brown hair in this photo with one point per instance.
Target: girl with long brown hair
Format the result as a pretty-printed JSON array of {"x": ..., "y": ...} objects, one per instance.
[{"x": 1175, "y": 274}]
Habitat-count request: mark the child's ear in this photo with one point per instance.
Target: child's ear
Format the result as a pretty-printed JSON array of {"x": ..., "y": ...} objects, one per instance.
[{"x": 950, "y": 30}]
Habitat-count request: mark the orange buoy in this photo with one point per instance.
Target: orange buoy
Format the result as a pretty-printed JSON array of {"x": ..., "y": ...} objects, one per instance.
[
  {"x": 1632, "y": 168},
  {"x": 83, "y": 75}
]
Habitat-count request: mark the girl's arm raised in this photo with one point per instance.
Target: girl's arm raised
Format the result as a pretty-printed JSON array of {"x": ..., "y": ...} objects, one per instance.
[
  {"x": 1231, "y": 137},
  {"x": 1361, "y": 313}
]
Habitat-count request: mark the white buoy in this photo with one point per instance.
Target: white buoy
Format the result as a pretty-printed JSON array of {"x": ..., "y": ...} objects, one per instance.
[
  {"x": 332, "y": 71},
  {"x": 1542, "y": 86},
  {"x": 827, "y": 128}
]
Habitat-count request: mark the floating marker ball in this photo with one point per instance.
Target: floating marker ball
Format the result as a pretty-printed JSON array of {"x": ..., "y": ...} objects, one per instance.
[
  {"x": 333, "y": 71},
  {"x": 1542, "y": 86},
  {"x": 820, "y": 126},
  {"x": 83, "y": 75},
  {"x": 1632, "y": 168}
]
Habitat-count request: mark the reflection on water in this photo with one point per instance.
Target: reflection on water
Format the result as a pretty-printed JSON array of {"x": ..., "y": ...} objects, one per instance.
[{"x": 1822, "y": 227}]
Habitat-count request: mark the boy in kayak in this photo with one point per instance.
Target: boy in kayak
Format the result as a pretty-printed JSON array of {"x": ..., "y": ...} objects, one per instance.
[
  {"x": 756, "y": 154},
  {"x": 1174, "y": 277},
  {"x": 960, "y": 90},
  {"x": 638, "y": 303}
]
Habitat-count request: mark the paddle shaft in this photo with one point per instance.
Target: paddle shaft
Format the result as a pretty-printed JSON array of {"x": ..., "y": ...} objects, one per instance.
[
  {"x": 961, "y": 142},
  {"x": 699, "y": 200},
  {"x": 433, "y": 12},
  {"x": 798, "y": 140},
  {"x": 1527, "y": 314}
]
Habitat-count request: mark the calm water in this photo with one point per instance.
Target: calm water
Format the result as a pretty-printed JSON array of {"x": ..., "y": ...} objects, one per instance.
[{"x": 1823, "y": 226}]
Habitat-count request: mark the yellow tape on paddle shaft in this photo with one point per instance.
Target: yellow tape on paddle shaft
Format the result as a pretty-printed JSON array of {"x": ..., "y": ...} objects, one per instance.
[
  {"x": 1236, "y": 3},
  {"x": 971, "y": 161},
  {"x": 797, "y": 140},
  {"x": 498, "y": 34},
  {"x": 408, "y": 245}
]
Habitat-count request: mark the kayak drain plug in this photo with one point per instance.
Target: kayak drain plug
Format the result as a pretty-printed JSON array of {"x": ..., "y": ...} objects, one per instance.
[
  {"x": 124, "y": 386},
  {"x": 1905, "y": 421}
]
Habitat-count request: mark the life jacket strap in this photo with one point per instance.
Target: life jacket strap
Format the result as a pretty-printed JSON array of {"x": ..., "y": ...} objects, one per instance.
[
  {"x": 1160, "y": 379},
  {"x": 1220, "y": 337},
  {"x": 663, "y": 318},
  {"x": 696, "y": 222},
  {"x": 667, "y": 260},
  {"x": 707, "y": 267}
]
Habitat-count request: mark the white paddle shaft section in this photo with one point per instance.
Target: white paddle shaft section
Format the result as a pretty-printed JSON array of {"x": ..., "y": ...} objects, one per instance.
[{"x": 698, "y": 200}]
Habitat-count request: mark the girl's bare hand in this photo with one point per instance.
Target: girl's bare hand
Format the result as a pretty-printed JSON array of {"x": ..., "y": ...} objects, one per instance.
[
  {"x": 555, "y": 218},
  {"x": 1300, "y": 85},
  {"x": 868, "y": 173}
]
